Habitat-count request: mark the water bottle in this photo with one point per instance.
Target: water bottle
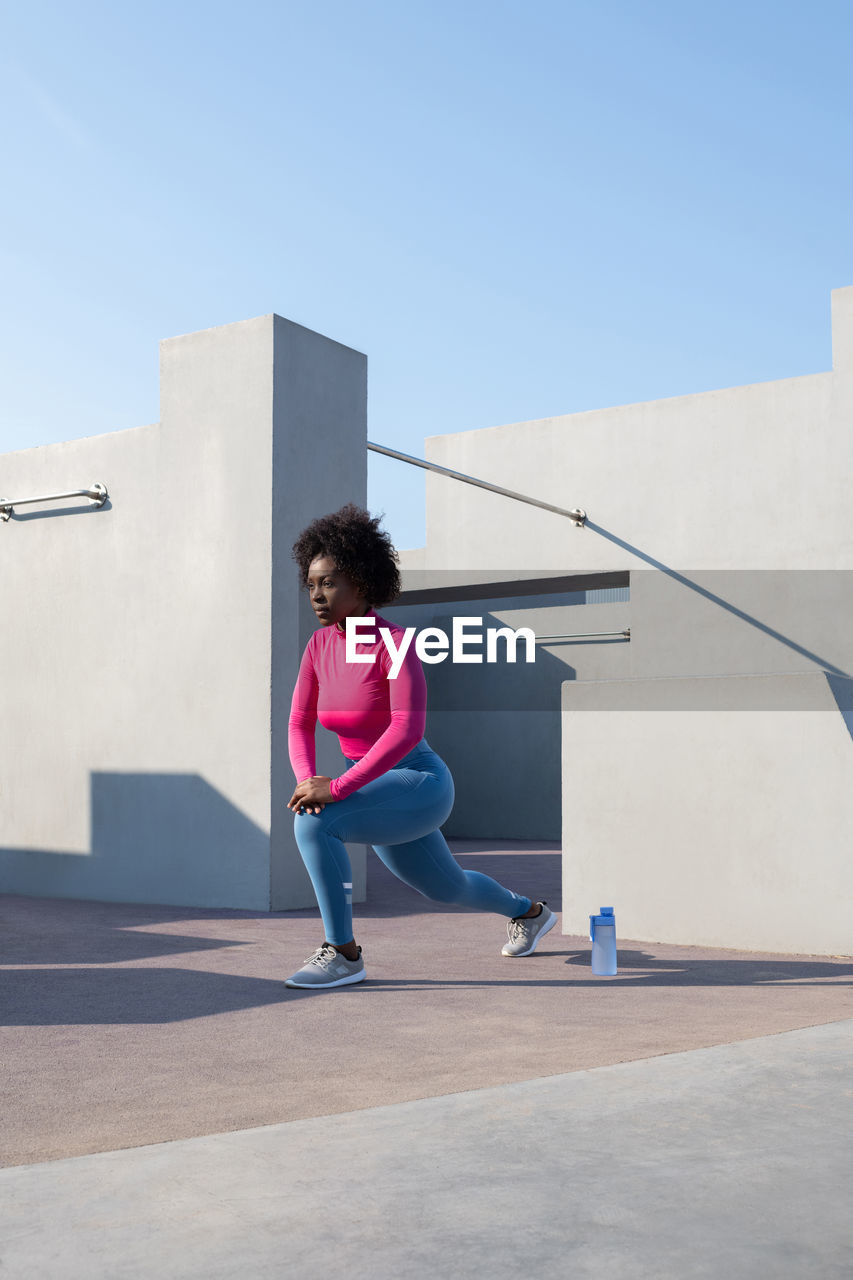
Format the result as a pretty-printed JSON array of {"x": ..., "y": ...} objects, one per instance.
[{"x": 602, "y": 935}]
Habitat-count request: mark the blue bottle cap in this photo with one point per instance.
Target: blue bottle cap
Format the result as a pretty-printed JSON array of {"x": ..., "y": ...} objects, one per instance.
[{"x": 606, "y": 919}]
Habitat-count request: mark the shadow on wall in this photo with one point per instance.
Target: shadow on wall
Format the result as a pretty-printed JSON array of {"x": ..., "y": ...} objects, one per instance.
[
  {"x": 152, "y": 834},
  {"x": 498, "y": 727},
  {"x": 507, "y": 764}
]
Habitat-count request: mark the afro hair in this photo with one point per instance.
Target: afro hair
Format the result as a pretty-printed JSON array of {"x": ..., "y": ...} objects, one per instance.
[{"x": 364, "y": 554}]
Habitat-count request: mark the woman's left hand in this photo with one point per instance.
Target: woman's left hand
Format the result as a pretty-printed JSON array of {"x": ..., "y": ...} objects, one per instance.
[{"x": 312, "y": 793}]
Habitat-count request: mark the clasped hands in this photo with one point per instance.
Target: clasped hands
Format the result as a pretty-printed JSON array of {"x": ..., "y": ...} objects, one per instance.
[{"x": 312, "y": 793}]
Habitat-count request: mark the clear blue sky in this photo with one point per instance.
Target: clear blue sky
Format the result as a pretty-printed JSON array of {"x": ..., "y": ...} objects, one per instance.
[{"x": 516, "y": 209}]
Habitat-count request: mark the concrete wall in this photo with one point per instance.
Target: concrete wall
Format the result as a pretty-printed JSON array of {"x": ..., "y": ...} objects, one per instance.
[
  {"x": 715, "y": 811},
  {"x": 496, "y": 724},
  {"x": 508, "y": 716},
  {"x": 319, "y": 462},
  {"x": 730, "y": 511},
  {"x": 741, "y": 478},
  {"x": 152, "y": 642}
]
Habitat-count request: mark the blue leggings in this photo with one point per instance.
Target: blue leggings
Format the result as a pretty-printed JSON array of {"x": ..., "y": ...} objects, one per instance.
[{"x": 403, "y": 809}]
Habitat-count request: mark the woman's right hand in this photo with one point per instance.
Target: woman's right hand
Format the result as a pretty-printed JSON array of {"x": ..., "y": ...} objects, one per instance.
[{"x": 298, "y": 805}]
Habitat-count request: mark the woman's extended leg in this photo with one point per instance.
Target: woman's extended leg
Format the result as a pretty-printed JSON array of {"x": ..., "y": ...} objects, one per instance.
[
  {"x": 428, "y": 865},
  {"x": 398, "y": 813}
]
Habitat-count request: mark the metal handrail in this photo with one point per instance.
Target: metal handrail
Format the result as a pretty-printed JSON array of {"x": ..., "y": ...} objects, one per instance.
[
  {"x": 577, "y": 515},
  {"x": 96, "y": 493}
]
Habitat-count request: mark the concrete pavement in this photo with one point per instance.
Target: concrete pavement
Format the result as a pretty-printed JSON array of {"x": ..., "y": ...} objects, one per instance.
[
  {"x": 170, "y": 1109},
  {"x": 733, "y": 1161}
]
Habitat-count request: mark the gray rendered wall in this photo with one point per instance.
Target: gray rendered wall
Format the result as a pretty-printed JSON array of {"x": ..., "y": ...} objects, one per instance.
[
  {"x": 714, "y": 811},
  {"x": 151, "y": 643},
  {"x": 498, "y": 725},
  {"x": 319, "y": 463},
  {"x": 730, "y": 510}
]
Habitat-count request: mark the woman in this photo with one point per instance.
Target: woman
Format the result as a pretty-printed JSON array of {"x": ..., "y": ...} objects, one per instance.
[{"x": 395, "y": 791}]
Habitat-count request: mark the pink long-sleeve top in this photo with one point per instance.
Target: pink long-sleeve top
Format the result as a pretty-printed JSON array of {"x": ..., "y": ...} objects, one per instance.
[{"x": 377, "y": 719}]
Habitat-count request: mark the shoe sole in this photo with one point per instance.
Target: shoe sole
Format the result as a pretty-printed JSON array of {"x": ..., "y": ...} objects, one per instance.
[
  {"x": 516, "y": 955},
  {"x": 324, "y": 986}
]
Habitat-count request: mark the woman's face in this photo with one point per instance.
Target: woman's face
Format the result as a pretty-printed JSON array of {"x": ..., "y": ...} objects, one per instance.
[{"x": 331, "y": 591}]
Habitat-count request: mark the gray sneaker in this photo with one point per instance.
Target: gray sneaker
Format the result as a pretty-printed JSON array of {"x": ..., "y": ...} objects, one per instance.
[
  {"x": 524, "y": 933},
  {"x": 327, "y": 968}
]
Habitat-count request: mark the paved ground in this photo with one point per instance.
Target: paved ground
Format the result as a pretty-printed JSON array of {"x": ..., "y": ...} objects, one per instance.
[
  {"x": 171, "y": 1110},
  {"x": 727, "y": 1162}
]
